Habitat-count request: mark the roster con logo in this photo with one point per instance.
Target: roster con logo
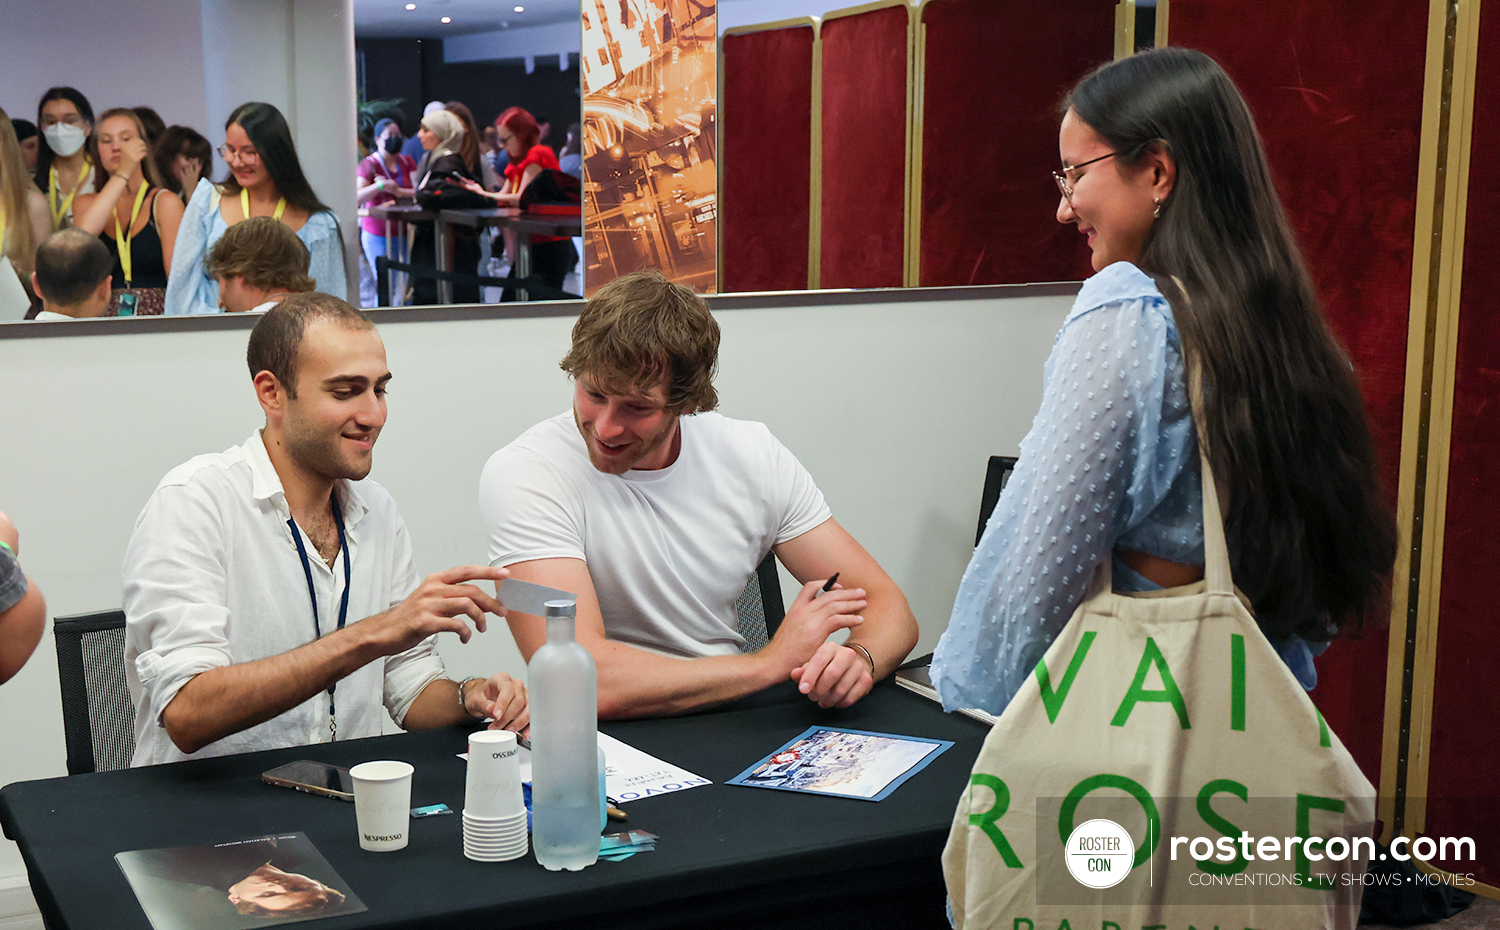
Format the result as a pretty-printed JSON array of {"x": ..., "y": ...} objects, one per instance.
[{"x": 1099, "y": 853}]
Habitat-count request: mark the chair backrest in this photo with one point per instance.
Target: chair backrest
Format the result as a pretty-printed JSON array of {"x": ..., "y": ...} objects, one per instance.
[
  {"x": 995, "y": 477},
  {"x": 759, "y": 608},
  {"x": 98, "y": 716}
]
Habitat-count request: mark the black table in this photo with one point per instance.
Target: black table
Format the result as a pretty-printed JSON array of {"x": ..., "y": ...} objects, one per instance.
[
  {"x": 524, "y": 224},
  {"x": 727, "y": 855}
]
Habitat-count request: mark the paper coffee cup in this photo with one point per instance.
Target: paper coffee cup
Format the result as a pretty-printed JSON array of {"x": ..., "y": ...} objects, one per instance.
[
  {"x": 492, "y": 785},
  {"x": 382, "y": 804}
]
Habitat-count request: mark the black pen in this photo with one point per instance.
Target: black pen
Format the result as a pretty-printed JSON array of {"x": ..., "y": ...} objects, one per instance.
[{"x": 828, "y": 585}]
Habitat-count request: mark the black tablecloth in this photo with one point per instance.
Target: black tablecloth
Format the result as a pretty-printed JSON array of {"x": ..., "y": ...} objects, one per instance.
[{"x": 727, "y": 855}]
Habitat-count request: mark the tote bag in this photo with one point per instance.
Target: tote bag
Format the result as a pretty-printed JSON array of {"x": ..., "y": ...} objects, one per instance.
[{"x": 1160, "y": 727}]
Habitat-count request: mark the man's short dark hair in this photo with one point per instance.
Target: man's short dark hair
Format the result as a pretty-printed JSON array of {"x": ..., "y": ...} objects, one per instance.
[
  {"x": 641, "y": 327},
  {"x": 262, "y": 252},
  {"x": 70, "y": 263},
  {"x": 276, "y": 338}
]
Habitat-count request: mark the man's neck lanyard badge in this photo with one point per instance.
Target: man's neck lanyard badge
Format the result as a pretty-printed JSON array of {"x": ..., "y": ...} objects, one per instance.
[{"x": 338, "y": 521}]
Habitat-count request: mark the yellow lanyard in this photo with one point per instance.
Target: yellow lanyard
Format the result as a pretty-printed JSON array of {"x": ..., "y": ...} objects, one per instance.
[
  {"x": 245, "y": 205},
  {"x": 59, "y": 211},
  {"x": 123, "y": 236}
]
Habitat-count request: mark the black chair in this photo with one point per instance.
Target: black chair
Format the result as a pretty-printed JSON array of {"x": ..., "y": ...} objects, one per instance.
[
  {"x": 759, "y": 607},
  {"x": 98, "y": 716},
  {"x": 995, "y": 477}
]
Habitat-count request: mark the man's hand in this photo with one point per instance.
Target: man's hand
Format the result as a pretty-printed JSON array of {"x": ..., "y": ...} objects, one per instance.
[
  {"x": 813, "y": 617},
  {"x": 836, "y": 676},
  {"x": 438, "y": 605},
  {"x": 504, "y": 700}
]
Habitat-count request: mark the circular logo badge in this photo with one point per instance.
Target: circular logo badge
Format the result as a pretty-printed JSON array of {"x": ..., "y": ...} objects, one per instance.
[{"x": 1100, "y": 853}]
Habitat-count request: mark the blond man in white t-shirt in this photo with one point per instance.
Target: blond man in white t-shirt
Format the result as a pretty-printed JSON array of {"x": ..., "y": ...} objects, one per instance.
[{"x": 655, "y": 511}]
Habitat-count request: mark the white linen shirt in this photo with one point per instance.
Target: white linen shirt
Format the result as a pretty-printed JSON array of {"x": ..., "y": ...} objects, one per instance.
[{"x": 212, "y": 578}]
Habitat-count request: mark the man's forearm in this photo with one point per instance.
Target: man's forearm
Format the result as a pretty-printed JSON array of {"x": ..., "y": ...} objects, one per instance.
[
  {"x": 889, "y": 631},
  {"x": 637, "y": 683},
  {"x": 222, "y": 701}
]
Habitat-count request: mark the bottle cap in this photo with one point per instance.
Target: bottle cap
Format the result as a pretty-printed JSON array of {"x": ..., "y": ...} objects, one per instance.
[{"x": 561, "y": 608}]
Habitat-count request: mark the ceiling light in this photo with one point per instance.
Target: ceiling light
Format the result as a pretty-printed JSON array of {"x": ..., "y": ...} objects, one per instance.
[
  {"x": 411, "y": 6},
  {"x": 520, "y": 9},
  {"x": 447, "y": 19}
]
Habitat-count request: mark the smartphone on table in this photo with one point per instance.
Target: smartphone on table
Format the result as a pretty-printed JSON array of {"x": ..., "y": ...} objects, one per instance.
[{"x": 331, "y": 781}]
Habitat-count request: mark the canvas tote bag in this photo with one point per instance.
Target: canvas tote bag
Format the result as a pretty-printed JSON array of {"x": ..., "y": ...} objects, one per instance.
[{"x": 1171, "y": 715}]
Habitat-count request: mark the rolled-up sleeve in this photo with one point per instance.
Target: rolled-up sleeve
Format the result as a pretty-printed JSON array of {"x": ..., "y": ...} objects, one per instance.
[
  {"x": 175, "y": 590},
  {"x": 407, "y": 673}
]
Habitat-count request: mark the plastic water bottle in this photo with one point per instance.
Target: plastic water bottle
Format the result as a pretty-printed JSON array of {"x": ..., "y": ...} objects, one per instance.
[{"x": 564, "y": 746}]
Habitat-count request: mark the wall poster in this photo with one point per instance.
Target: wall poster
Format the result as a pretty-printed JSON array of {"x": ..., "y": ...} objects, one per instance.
[{"x": 650, "y": 192}]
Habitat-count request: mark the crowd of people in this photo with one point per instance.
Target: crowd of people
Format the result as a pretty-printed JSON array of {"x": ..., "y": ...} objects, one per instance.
[{"x": 146, "y": 191}]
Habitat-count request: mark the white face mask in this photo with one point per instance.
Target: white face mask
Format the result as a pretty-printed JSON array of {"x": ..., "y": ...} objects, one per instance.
[{"x": 65, "y": 139}]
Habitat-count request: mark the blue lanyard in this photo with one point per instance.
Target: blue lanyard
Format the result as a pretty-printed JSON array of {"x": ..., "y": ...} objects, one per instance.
[{"x": 338, "y": 521}]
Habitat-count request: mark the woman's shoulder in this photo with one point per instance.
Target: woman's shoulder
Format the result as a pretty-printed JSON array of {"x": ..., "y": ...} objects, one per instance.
[
  {"x": 541, "y": 155},
  {"x": 1119, "y": 283},
  {"x": 319, "y": 225}
]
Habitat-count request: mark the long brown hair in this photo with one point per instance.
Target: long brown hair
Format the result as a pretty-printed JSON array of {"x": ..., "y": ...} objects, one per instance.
[
  {"x": 468, "y": 147},
  {"x": 15, "y": 185},
  {"x": 1309, "y": 525}
]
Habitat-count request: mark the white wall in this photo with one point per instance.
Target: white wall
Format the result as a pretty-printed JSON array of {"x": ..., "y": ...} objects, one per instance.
[
  {"x": 125, "y": 54},
  {"x": 893, "y": 406}
]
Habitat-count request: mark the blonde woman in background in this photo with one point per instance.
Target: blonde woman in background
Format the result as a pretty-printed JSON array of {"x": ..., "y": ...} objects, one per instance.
[
  {"x": 134, "y": 213},
  {"x": 24, "y": 223}
]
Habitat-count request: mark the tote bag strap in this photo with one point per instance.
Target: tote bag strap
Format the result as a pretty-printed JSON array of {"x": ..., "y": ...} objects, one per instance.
[{"x": 1216, "y": 573}]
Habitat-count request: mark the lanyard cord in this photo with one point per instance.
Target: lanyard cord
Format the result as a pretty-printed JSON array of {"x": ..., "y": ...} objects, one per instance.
[
  {"x": 245, "y": 206},
  {"x": 338, "y": 521},
  {"x": 60, "y": 210},
  {"x": 124, "y": 237}
]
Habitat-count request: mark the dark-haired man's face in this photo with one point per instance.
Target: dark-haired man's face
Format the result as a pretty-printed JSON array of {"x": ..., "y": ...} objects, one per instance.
[
  {"x": 330, "y": 427},
  {"x": 271, "y": 889},
  {"x": 625, "y": 431}
]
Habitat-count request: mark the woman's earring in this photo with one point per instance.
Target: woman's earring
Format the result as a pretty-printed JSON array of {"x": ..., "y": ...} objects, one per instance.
[{"x": 1157, "y": 213}]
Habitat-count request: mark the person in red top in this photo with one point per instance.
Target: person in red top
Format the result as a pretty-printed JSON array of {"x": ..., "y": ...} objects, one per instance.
[{"x": 552, "y": 257}]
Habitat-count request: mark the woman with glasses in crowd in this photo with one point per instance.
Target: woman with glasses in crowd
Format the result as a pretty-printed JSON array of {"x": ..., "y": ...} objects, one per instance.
[
  {"x": 65, "y": 159},
  {"x": 265, "y": 179},
  {"x": 135, "y": 216},
  {"x": 24, "y": 223},
  {"x": 1164, "y": 173}
]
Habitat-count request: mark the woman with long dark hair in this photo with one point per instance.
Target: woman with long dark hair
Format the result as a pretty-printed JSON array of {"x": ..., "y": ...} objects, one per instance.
[
  {"x": 65, "y": 157},
  {"x": 1164, "y": 172},
  {"x": 265, "y": 179},
  {"x": 134, "y": 215}
]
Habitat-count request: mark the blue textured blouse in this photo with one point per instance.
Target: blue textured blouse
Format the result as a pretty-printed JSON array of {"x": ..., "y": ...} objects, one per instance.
[
  {"x": 1110, "y": 461},
  {"x": 191, "y": 291}
]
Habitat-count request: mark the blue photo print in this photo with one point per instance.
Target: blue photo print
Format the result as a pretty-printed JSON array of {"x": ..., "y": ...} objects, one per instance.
[{"x": 844, "y": 763}]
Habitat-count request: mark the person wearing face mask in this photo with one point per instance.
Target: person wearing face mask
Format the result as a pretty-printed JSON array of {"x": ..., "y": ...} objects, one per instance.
[
  {"x": 64, "y": 163},
  {"x": 265, "y": 179},
  {"x": 133, "y": 213},
  {"x": 384, "y": 176}
]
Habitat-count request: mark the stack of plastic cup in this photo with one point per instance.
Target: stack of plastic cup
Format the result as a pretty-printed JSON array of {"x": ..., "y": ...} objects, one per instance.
[{"x": 494, "y": 810}]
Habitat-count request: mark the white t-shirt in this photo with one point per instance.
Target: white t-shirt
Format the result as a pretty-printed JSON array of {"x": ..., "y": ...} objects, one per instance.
[
  {"x": 212, "y": 578},
  {"x": 669, "y": 550}
]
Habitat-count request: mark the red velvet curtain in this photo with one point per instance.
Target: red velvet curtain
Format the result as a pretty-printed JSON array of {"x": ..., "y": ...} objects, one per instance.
[
  {"x": 1465, "y": 754},
  {"x": 864, "y": 110},
  {"x": 994, "y": 75},
  {"x": 1337, "y": 94},
  {"x": 766, "y": 123}
]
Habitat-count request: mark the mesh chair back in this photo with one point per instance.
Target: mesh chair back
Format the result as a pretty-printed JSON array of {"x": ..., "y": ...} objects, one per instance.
[
  {"x": 759, "y": 607},
  {"x": 995, "y": 477},
  {"x": 98, "y": 717}
]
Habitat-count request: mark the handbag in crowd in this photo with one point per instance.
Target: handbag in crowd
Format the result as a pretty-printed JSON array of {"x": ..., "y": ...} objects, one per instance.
[
  {"x": 137, "y": 301},
  {"x": 1157, "y": 729}
]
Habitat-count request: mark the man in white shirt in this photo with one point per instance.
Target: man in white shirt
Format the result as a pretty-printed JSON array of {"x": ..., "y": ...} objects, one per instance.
[
  {"x": 72, "y": 276},
  {"x": 270, "y": 595},
  {"x": 655, "y": 512}
]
